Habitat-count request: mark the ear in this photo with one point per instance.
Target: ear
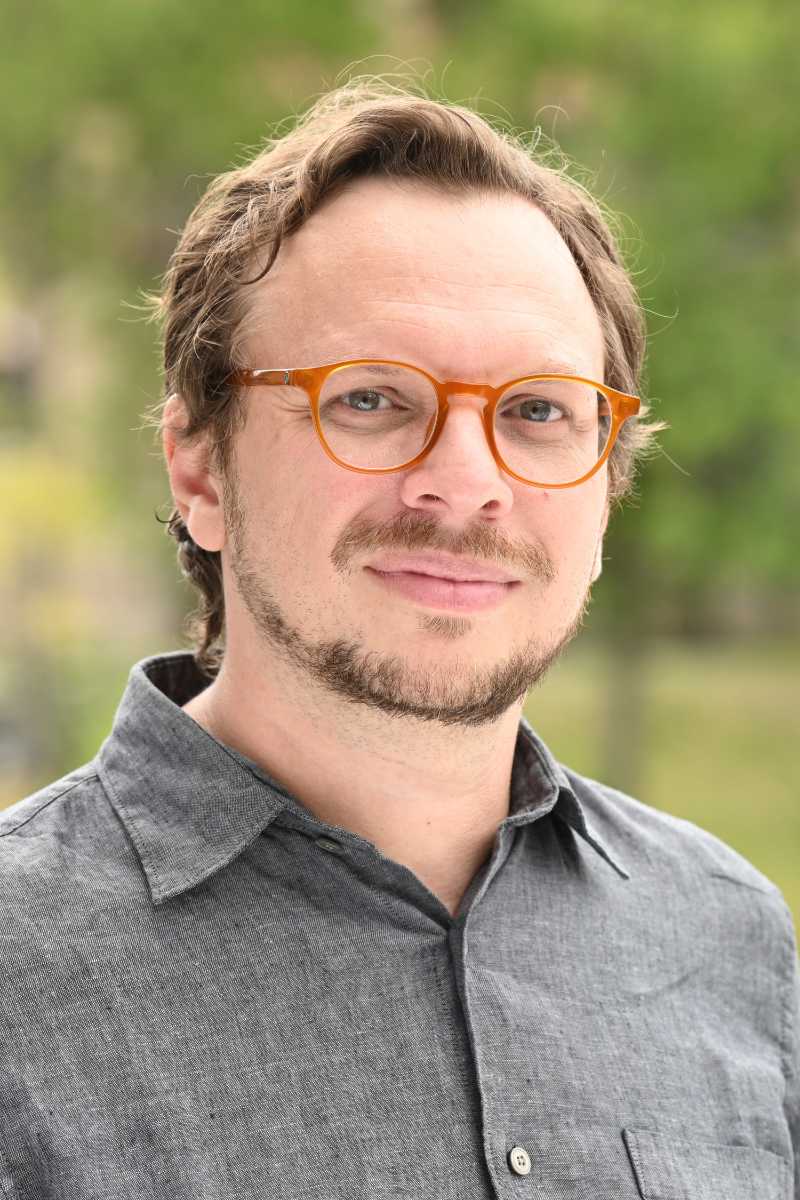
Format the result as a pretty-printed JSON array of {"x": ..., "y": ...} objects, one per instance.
[
  {"x": 196, "y": 489},
  {"x": 597, "y": 566}
]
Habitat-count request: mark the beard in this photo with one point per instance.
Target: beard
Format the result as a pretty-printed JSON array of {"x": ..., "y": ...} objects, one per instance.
[{"x": 455, "y": 693}]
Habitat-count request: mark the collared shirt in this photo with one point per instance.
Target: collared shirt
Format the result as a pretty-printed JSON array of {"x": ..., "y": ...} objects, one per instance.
[{"x": 210, "y": 994}]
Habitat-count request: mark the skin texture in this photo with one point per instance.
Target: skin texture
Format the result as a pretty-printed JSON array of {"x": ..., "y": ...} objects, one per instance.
[{"x": 382, "y": 715}]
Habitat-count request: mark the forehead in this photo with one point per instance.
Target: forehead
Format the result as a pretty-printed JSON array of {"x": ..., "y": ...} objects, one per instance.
[{"x": 472, "y": 285}]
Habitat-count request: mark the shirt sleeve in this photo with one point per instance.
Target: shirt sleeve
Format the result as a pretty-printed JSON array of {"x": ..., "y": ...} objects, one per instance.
[{"x": 792, "y": 1101}]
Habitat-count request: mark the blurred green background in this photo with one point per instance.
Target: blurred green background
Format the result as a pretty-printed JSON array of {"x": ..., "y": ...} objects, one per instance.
[{"x": 684, "y": 117}]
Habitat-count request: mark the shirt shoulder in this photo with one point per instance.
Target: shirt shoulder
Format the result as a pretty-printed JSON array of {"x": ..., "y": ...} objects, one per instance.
[
  {"x": 693, "y": 883},
  {"x": 61, "y": 840},
  {"x": 21, "y": 812},
  {"x": 656, "y": 841}
]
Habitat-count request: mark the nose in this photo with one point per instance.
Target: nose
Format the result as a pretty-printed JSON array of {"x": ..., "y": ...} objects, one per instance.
[
  {"x": 464, "y": 432},
  {"x": 460, "y": 472}
]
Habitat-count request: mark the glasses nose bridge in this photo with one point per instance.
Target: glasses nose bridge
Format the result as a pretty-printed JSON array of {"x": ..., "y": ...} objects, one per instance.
[
  {"x": 457, "y": 389},
  {"x": 454, "y": 388}
]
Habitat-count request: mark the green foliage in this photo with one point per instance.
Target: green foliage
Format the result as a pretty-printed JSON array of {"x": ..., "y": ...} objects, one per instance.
[
  {"x": 684, "y": 117},
  {"x": 687, "y": 118}
]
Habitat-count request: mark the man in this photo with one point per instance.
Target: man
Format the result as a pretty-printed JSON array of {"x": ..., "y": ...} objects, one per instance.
[{"x": 324, "y": 917}]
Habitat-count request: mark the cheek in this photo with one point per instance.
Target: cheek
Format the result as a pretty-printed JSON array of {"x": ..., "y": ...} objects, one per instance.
[
  {"x": 568, "y": 523},
  {"x": 316, "y": 508},
  {"x": 288, "y": 476}
]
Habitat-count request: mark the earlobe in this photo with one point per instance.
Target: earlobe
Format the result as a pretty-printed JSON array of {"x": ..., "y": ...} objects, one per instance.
[{"x": 195, "y": 489}]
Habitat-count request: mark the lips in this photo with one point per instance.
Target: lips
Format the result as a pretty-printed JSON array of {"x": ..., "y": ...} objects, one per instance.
[
  {"x": 446, "y": 594},
  {"x": 442, "y": 567}
]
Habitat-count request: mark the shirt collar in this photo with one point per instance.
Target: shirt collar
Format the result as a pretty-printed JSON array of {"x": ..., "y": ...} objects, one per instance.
[
  {"x": 535, "y": 773},
  {"x": 190, "y": 804}
]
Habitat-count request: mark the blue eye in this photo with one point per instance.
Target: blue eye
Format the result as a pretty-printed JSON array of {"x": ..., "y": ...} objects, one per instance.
[{"x": 541, "y": 410}]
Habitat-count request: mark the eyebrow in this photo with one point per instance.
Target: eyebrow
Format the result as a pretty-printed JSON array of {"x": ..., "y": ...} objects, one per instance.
[
  {"x": 554, "y": 366},
  {"x": 379, "y": 368},
  {"x": 547, "y": 366}
]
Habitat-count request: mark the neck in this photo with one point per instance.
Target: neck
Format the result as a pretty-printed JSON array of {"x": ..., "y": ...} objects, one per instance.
[{"x": 426, "y": 795}]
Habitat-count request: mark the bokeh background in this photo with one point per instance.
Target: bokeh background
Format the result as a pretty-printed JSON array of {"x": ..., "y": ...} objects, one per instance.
[{"x": 684, "y": 117}]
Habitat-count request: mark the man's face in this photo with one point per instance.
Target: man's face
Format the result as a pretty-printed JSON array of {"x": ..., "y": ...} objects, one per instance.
[{"x": 480, "y": 289}]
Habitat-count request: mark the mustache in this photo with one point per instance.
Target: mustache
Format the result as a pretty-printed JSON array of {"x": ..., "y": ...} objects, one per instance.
[{"x": 410, "y": 531}]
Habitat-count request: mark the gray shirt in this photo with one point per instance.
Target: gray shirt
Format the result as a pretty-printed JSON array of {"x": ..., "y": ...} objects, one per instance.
[{"x": 209, "y": 994}]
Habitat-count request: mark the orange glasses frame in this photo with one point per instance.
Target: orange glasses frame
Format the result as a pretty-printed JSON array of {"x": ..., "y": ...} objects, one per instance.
[{"x": 312, "y": 380}]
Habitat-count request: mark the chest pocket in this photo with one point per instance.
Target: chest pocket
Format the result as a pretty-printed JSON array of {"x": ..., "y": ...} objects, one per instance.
[{"x": 668, "y": 1168}]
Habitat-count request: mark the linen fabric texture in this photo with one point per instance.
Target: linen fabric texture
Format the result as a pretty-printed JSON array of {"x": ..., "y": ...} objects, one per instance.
[{"x": 209, "y": 994}]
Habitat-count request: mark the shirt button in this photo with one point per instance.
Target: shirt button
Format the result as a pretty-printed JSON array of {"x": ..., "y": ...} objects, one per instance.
[
  {"x": 519, "y": 1160},
  {"x": 330, "y": 844}
]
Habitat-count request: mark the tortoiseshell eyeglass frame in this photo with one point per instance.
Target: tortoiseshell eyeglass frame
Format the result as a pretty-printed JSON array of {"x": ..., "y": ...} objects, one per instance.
[{"x": 312, "y": 381}]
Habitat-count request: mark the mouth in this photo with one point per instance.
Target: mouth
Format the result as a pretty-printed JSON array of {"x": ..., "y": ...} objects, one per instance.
[
  {"x": 433, "y": 591},
  {"x": 442, "y": 566}
]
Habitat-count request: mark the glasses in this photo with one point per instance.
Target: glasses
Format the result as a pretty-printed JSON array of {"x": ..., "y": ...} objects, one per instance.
[{"x": 376, "y": 416}]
